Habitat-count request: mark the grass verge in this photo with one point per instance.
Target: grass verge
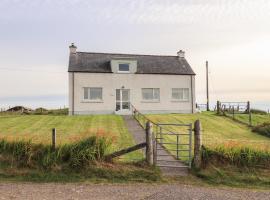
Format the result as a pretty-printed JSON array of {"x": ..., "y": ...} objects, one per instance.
[{"x": 235, "y": 167}]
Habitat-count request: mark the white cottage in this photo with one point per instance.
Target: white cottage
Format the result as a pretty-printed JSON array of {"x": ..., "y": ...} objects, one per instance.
[{"x": 106, "y": 83}]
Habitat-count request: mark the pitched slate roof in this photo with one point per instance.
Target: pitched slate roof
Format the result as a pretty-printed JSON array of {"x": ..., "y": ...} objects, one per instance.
[{"x": 146, "y": 64}]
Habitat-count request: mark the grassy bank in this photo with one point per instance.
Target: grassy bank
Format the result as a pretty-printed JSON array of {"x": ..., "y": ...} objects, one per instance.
[
  {"x": 235, "y": 166},
  {"x": 74, "y": 162},
  {"x": 215, "y": 129}
]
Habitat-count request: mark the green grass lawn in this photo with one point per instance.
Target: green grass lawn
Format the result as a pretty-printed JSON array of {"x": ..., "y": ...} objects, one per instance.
[
  {"x": 38, "y": 128},
  {"x": 256, "y": 118},
  {"x": 216, "y": 129}
]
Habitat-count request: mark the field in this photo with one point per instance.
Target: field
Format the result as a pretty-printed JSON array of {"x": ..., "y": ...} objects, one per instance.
[
  {"x": 218, "y": 129},
  {"x": 38, "y": 128},
  {"x": 256, "y": 118}
]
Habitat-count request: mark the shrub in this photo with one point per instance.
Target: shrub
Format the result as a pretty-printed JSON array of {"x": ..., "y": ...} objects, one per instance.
[
  {"x": 238, "y": 156},
  {"x": 76, "y": 155},
  {"x": 263, "y": 129}
]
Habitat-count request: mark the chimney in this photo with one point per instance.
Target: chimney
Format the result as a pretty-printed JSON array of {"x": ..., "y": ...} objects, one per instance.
[
  {"x": 72, "y": 48},
  {"x": 181, "y": 54}
]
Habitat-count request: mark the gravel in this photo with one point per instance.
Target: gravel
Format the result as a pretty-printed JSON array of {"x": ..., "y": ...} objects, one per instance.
[{"x": 120, "y": 191}]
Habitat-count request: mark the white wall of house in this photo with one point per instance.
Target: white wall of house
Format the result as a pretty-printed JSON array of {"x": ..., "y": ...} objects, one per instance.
[{"x": 109, "y": 82}]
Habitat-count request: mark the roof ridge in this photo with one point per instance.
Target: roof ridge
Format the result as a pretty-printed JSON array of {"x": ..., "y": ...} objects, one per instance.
[{"x": 127, "y": 54}]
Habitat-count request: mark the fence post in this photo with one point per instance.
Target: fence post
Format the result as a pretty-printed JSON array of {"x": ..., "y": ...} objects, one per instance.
[
  {"x": 197, "y": 144},
  {"x": 249, "y": 113},
  {"x": 53, "y": 138},
  {"x": 218, "y": 107},
  {"x": 149, "y": 143}
]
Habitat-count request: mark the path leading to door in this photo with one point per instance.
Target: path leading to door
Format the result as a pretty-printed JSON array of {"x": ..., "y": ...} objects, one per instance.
[{"x": 169, "y": 165}]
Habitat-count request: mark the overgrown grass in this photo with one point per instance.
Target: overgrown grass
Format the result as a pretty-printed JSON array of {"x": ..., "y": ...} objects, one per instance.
[
  {"x": 239, "y": 156},
  {"x": 235, "y": 166},
  {"x": 73, "y": 162},
  {"x": 76, "y": 155}
]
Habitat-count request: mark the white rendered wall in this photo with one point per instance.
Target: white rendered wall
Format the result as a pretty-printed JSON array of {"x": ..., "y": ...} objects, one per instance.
[{"x": 135, "y": 82}]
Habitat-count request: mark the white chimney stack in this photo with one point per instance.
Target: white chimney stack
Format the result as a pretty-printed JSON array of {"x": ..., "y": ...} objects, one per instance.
[
  {"x": 72, "y": 48},
  {"x": 181, "y": 54}
]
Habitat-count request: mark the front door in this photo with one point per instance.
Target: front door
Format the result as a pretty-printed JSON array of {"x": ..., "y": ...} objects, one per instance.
[{"x": 122, "y": 101}]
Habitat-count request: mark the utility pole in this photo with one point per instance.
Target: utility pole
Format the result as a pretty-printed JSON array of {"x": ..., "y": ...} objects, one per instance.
[{"x": 207, "y": 87}]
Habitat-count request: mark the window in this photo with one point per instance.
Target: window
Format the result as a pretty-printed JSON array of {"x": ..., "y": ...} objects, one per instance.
[
  {"x": 123, "y": 67},
  {"x": 150, "y": 94},
  {"x": 180, "y": 94},
  {"x": 92, "y": 93}
]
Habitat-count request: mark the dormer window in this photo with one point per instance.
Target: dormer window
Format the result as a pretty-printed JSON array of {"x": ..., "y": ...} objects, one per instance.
[{"x": 123, "y": 67}]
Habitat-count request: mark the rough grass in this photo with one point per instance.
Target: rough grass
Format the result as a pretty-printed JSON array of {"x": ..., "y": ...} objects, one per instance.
[
  {"x": 70, "y": 129},
  {"x": 75, "y": 155},
  {"x": 235, "y": 166}
]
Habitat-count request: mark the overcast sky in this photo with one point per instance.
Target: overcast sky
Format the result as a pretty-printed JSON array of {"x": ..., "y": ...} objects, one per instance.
[{"x": 233, "y": 35}]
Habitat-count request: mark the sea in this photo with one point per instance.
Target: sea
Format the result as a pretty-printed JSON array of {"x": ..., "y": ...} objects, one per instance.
[{"x": 61, "y": 101}]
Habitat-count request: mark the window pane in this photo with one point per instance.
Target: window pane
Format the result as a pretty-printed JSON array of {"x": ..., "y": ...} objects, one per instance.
[
  {"x": 150, "y": 93},
  {"x": 156, "y": 94},
  {"x": 85, "y": 93},
  {"x": 125, "y": 105},
  {"x": 177, "y": 93},
  {"x": 96, "y": 93},
  {"x": 186, "y": 94},
  {"x": 180, "y": 93},
  {"x": 125, "y": 95},
  {"x": 147, "y": 93},
  {"x": 124, "y": 67},
  {"x": 117, "y": 106}
]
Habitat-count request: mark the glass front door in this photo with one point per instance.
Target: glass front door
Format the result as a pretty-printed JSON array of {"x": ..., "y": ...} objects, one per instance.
[{"x": 122, "y": 99}]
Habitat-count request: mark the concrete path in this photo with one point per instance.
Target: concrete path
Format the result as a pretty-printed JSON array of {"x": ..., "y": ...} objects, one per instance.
[
  {"x": 164, "y": 158},
  {"x": 51, "y": 191}
]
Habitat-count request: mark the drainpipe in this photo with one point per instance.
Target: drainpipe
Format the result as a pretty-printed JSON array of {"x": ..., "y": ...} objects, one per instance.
[
  {"x": 192, "y": 97},
  {"x": 73, "y": 92}
]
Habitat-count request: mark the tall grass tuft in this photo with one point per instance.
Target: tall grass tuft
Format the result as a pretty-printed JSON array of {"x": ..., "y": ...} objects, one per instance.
[
  {"x": 76, "y": 155},
  {"x": 238, "y": 156}
]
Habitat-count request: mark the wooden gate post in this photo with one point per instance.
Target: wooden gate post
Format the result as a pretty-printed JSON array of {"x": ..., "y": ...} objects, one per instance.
[
  {"x": 197, "y": 144},
  {"x": 149, "y": 143},
  {"x": 53, "y": 138}
]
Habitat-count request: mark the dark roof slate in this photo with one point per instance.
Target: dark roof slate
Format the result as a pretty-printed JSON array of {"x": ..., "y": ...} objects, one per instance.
[{"x": 146, "y": 64}]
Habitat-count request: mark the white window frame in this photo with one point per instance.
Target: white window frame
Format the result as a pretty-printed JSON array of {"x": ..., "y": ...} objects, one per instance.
[
  {"x": 183, "y": 91},
  {"x": 151, "y": 100},
  {"x": 89, "y": 97},
  {"x": 119, "y": 71}
]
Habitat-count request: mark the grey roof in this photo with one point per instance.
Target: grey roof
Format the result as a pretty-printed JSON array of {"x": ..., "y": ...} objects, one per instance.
[{"x": 146, "y": 64}]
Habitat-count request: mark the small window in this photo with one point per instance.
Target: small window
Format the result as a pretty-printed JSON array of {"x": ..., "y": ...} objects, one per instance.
[
  {"x": 123, "y": 67},
  {"x": 150, "y": 94},
  {"x": 180, "y": 94},
  {"x": 92, "y": 93}
]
